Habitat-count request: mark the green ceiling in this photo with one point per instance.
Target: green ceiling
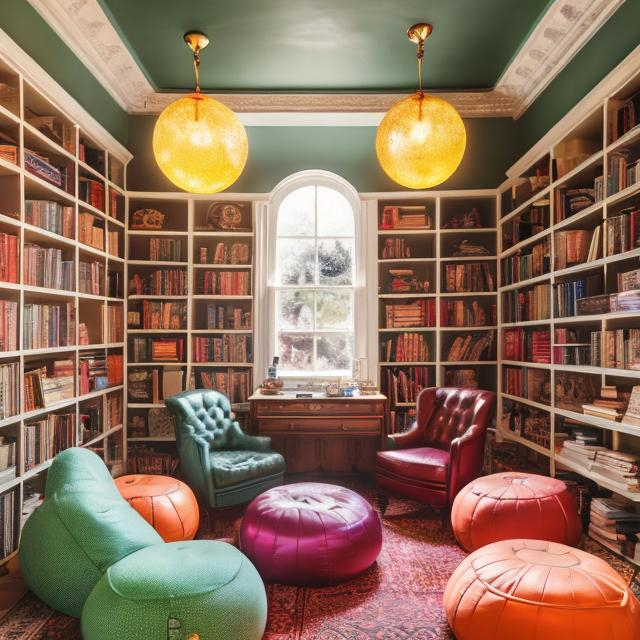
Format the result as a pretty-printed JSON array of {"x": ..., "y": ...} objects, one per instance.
[{"x": 324, "y": 45}]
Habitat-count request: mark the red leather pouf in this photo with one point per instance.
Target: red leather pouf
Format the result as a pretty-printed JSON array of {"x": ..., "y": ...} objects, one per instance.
[
  {"x": 535, "y": 590},
  {"x": 504, "y": 506},
  {"x": 167, "y": 504},
  {"x": 310, "y": 534}
]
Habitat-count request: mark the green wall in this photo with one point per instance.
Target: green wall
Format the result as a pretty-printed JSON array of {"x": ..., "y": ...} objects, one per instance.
[
  {"x": 613, "y": 42},
  {"x": 276, "y": 152},
  {"x": 27, "y": 28}
]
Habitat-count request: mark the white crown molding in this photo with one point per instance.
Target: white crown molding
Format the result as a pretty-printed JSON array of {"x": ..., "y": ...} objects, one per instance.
[
  {"x": 35, "y": 75},
  {"x": 562, "y": 31}
]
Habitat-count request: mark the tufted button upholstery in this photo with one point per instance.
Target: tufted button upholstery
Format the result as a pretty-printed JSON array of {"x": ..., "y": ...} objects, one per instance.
[
  {"x": 220, "y": 462},
  {"x": 443, "y": 451}
]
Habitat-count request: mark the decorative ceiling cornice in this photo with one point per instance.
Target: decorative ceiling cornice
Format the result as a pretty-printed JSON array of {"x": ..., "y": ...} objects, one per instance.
[{"x": 560, "y": 34}]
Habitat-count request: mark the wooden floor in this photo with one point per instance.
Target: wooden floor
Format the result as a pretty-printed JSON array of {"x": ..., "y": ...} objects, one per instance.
[{"x": 12, "y": 587}]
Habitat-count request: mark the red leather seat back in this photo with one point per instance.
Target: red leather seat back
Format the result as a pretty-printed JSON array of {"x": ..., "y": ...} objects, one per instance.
[{"x": 445, "y": 413}]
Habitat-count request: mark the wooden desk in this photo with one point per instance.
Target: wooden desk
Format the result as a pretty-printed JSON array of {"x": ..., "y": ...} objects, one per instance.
[{"x": 338, "y": 435}]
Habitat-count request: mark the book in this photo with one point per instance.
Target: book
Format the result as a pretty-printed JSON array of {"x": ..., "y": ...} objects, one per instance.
[
  {"x": 632, "y": 414},
  {"x": 405, "y": 217},
  {"x": 8, "y": 257}
]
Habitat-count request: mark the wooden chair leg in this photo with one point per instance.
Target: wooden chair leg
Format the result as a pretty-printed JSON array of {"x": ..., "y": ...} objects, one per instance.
[{"x": 383, "y": 502}]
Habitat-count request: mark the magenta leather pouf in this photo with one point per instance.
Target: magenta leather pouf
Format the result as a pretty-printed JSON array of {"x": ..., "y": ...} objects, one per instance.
[{"x": 310, "y": 534}]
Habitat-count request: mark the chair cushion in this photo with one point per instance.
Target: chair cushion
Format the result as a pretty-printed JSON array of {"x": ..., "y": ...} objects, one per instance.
[
  {"x": 234, "y": 467},
  {"x": 423, "y": 463}
]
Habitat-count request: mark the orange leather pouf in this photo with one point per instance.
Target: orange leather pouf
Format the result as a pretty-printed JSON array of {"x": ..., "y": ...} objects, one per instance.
[
  {"x": 504, "y": 506},
  {"x": 167, "y": 504},
  {"x": 531, "y": 589}
]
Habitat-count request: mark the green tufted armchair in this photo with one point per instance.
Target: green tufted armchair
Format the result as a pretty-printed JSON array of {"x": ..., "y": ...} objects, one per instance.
[{"x": 224, "y": 465}]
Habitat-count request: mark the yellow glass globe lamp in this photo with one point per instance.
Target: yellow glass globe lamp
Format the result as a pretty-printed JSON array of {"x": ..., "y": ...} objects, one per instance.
[
  {"x": 198, "y": 142},
  {"x": 421, "y": 139}
]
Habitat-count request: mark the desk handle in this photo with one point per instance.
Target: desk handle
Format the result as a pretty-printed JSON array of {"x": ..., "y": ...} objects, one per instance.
[{"x": 344, "y": 426}]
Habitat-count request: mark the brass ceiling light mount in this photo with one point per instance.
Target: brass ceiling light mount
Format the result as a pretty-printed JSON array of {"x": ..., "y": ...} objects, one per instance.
[
  {"x": 418, "y": 33},
  {"x": 197, "y": 41}
]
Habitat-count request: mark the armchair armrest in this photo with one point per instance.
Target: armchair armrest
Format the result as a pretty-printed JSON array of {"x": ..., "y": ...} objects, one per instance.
[
  {"x": 466, "y": 458},
  {"x": 256, "y": 443},
  {"x": 406, "y": 439}
]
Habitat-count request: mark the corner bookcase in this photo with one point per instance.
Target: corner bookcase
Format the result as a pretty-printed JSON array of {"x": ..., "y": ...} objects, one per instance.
[
  {"x": 571, "y": 193},
  {"x": 433, "y": 306},
  {"x": 195, "y": 294},
  {"x": 62, "y": 304}
]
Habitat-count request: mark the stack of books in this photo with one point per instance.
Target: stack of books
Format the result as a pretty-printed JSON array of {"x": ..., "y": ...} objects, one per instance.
[
  {"x": 611, "y": 405},
  {"x": 157, "y": 349},
  {"x": 615, "y": 523},
  {"x": 93, "y": 371},
  {"x": 420, "y": 313},
  {"x": 405, "y": 217},
  {"x": 39, "y": 165}
]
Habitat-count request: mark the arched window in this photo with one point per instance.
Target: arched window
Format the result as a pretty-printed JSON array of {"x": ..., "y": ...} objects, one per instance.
[{"x": 314, "y": 279}]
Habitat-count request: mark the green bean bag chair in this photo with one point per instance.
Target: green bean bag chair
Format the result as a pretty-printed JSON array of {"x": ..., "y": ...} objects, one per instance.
[
  {"x": 84, "y": 551},
  {"x": 202, "y": 589},
  {"x": 82, "y": 528}
]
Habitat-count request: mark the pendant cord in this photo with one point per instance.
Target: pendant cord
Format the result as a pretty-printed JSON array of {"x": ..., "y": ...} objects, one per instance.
[
  {"x": 196, "y": 66},
  {"x": 420, "y": 56}
]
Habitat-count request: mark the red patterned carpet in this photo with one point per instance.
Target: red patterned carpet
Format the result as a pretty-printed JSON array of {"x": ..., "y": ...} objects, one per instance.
[{"x": 399, "y": 598}]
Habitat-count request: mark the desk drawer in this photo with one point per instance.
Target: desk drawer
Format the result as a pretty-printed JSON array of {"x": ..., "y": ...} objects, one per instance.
[
  {"x": 319, "y": 407},
  {"x": 328, "y": 426}
]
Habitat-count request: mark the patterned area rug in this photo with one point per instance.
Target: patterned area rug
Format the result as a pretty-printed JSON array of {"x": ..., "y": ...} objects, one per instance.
[{"x": 399, "y": 598}]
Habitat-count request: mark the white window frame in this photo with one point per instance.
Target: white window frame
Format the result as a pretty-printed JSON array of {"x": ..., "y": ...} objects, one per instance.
[{"x": 316, "y": 178}]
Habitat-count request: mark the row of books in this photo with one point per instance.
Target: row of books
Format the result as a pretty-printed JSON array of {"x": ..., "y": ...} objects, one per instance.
[
  {"x": 571, "y": 201},
  {"x": 615, "y": 523},
  {"x": 532, "y": 221},
  {"x": 98, "y": 371},
  {"x": 528, "y": 304},
  {"x": 116, "y": 205},
  {"x": 405, "y": 347},
  {"x": 224, "y": 283},
  {"x": 50, "y": 215},
  {"x": 8, "y": 325},
  {"x": 8, "y": 257},
  {"x": 522, "y": 266},
  {"x": 44, "y": 267},
  {"x": 9, "y": 389},
  {"x": 227, "y": 348},
  {"x": 159, "y": 315},
  {"x": 46, "y": 437},
  {"x": 404, "y": 385},
  {"x": 531, "y": 345},
  {"x": 622, "y": 232},
  {"x": 471, "y": 347},
  {"x": 47, "y": 326},
  {"x": 91, "y": 277},
  {"x": 616, "y": 349},
  {"x": 226, "y": 253},
  {"x": 9, "y": 531},
  {"x": 115, "y": 324},
  {"x": 161, "y": 282},
  {"x": 91, "y": 230},
  {"x": 566, "y": 294},
  {"x": 461, "y": 313},
  {"x": 526, "y": 187},
  {"x": 8, "y": 458},
  {"x": 163, "y": 349},
  {"x": 419, "y": 313},
  {"x": 469, "y": 277},
  {"x": 623, "y": 171},
  {"x": 527, "y": 422},
  {"x": 571, "y": 346},
  {"x": 625, "y": 117},
  {"x": 530, "y": 383},
  {"x": 166, "y": 249},
  {"x": 234, "y": 383},
  {"x": 153, "y": 386},
  {"x": 146, "y": 460},
  {"x": 217, "y": 316},
  {"x": 396, "y": 248},
  {"x": 401, "y": 421},
  {"x": 92, "y": 192},
  {"x": 575, "y": 246}
]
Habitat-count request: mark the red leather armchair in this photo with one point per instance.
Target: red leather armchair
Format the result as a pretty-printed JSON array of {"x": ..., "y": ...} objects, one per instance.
[{"x": 442, "y": 452}]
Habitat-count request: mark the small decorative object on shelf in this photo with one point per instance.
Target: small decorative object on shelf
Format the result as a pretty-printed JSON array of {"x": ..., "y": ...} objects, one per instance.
[
  {"x": 405, "y": 281},
  {"x": 466, "y": 248},
  {"x": 147, "y": 220},
  {"x": 272, "y": 371},
  {"x": 469, "y": 220},
  {"x": 272, "y": 387},
  {"x": 224, "y": 216}
]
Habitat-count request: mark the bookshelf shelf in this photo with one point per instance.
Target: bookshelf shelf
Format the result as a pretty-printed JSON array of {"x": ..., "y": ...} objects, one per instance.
[
  {"x": 531, "y": 403},
  {"x": 527, "y": 443}
]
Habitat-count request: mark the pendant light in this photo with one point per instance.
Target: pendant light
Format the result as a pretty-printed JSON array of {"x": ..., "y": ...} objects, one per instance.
[
  {"x": 421, "y": 139},
  {"x": 198, "y": 142}
]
